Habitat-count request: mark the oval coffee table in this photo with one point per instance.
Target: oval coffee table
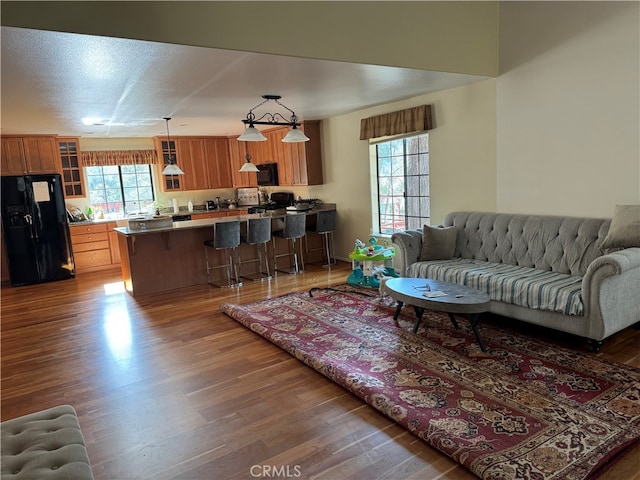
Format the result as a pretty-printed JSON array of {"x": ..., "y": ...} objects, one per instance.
[{"x": 455, "y": 298}]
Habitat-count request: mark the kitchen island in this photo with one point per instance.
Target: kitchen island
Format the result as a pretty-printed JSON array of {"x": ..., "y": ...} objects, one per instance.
[{"x": 162, "y": 259}]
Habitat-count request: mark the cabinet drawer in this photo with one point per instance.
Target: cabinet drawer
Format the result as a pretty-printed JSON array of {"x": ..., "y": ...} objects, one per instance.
[
  {"x": 200, "y": 216},
  {"x": 90, "y": 238},
  {"x": 92, "y": 259},
  {"x": 84, "y": 229},
  {"x": 86, "y": 247}
]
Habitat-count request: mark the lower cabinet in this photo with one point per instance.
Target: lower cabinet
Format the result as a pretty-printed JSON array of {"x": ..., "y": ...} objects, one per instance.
[{"x": 95, "y": 247}]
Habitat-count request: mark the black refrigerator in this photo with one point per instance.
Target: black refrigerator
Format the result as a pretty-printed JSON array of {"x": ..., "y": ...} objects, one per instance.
[{"x": 35, "y": 229}]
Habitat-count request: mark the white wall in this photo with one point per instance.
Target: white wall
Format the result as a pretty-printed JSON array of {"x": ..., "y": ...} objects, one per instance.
[
  {"x": 567, "y": 107},
  {"x": 462, "y": 159}
]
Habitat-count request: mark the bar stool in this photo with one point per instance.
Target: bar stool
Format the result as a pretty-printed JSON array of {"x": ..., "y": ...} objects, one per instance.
[
  {"x": 325, "y": 226},
  {"x": 226, "y": 236},
  {"x": 294, "y": 228},
  {"x": 258, "y": 233}
]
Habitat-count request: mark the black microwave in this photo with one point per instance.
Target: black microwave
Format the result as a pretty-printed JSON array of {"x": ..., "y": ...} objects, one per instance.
[{"x": 267, "y": 174}]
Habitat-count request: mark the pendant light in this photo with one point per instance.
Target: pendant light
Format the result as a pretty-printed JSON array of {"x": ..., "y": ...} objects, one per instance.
[
  {"x": 248, "y": 167},
  {"x": 252, "y": 134},
  {"x": 171, "y": 168}
]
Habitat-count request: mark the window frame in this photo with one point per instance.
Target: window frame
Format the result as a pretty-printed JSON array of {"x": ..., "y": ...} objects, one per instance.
[
  {"x": 410, "y": 218},
  {"x": 125, "y": 211}
]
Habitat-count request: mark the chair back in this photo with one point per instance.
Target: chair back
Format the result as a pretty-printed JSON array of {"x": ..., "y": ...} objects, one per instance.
[
  {"x": 258, "y": 230},
  {"x": 294, "y": 225},
  {"x": 226, "y": 234},
  {"x": 326, "y": 221}
]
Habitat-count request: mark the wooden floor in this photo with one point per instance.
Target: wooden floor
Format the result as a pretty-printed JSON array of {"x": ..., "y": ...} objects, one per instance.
[{"x": 167, "y": 387}]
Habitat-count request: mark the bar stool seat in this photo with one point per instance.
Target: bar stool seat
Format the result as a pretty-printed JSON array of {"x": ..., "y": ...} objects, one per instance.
[
  {"x": 325, "y": 226},
  {"x": 258, "y": 233},
  {"x": 226, "y": 236},
  {"x": 294, "y": 228}
]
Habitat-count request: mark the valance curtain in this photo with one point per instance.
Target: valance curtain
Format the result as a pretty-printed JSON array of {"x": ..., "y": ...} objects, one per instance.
[
  {"x": 101, "y": 158},
  {"x": 416, "y": 119}
]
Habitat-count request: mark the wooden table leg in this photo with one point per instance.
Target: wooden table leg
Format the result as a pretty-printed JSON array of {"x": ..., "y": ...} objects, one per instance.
[{"x": 453, "y": 321}]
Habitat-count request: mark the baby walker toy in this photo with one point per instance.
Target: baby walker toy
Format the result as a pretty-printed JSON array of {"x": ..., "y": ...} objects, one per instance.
[{"x": 365, "y": 272}]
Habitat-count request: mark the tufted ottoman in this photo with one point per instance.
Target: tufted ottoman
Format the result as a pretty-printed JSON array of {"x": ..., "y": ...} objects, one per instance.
[{"x": 46, "y": 445}]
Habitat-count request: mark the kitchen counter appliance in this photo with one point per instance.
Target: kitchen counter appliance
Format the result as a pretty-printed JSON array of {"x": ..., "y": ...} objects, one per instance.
[
  {"x": 279, "y": 201},
  {"x": 248, "y": 196}
]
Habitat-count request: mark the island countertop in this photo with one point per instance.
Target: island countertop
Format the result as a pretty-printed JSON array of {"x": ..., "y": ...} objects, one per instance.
[
  {"x": 155, "y": 260},
  {"x": 208, "y": 222}
]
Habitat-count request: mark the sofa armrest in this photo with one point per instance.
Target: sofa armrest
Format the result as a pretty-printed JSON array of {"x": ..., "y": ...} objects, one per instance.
[
  {"x": 409, "y": 243},
  {"x": 610, "y": 291}
]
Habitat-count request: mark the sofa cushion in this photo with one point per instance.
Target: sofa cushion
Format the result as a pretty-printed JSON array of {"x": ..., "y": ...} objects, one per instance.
[
  {"x": 545, "y": 242},
  {"x": 438, "y": 243},
  {"x": 45, "y": 445},
  {"x": 523, "y": 286},
  {"x": 624, "y": 231}
]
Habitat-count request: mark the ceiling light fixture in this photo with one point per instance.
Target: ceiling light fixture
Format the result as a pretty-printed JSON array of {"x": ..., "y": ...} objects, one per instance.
[
  {"x": 171, "y": 168},
  {"x": 252, "y": 134},
  {"x": 248, "y": 167}
]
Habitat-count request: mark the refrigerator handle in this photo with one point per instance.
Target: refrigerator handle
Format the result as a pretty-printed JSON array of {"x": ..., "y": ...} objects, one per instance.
[{"x": 29, "y": 219}]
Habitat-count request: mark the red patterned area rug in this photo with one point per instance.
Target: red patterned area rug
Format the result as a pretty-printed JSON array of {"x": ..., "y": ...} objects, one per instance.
[{"x": 522, "y": 410}]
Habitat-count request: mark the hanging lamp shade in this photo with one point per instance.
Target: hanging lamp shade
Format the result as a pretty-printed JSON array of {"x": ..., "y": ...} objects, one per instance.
[
  {"x": 295, "y": 136},
  {"x": 248, "y": 167},
  {"x": 171, "y": 168},
  {"x": 252, "y": 134}
]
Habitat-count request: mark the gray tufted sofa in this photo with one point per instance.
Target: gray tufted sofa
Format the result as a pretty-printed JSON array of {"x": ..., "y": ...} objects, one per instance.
[
  {"x": 542, "y": 269},
  {"x": 45, "y": 445}
]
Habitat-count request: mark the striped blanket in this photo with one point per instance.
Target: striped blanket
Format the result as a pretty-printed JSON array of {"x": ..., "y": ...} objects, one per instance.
[{"x": 523, "y": 286}]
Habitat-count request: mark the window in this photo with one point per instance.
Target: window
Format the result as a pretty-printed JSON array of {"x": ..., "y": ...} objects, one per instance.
[
  {"x": 402, "y": 173},
  {"x": 118, "y": 190}
]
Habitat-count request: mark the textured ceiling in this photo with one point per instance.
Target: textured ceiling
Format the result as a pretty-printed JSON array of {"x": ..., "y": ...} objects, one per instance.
[{"x": 51, "y": 81}]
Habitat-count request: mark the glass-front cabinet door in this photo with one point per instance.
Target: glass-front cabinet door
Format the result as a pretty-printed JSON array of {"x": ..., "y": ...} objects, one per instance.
[
  {"x": 165, "y": 149},
  {"x": 71, "y": 167}
]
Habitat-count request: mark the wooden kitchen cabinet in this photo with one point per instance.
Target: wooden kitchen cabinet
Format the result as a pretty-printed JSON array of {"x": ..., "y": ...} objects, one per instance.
[
  {"x": 91, "y": 247},
  {"x": 237, "y": 156},
  {"x": 307, "y": 164},
  {"x": 71, "y": 167},
  {"x": 298, "y": 163},
  {"x": 205, "y": 161},
  {"x": 37, "y": 154},
  {"x": 165, "y": 148},
  {"x": 113, "y": 244},
  {"x": 218, "y": 162},
  {"x": 200, "y": 216},
  {"x": 192, "y": 162}
]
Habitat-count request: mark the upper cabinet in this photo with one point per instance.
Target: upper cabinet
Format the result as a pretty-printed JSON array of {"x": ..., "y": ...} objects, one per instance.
[
  {"x": 29, "y": 155},
  {"x": 191, "y": 159},
  {"x": 298, "y": 163},
  {"x": 70, "y": 161},
  {"x": 168, "y": 183},
  {"x": 218, "y": 162},
  {"x": 205, "y": 162},
  {"x": 237, "y": 155}
]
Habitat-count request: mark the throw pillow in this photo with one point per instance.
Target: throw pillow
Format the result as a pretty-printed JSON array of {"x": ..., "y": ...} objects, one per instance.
[
  {"x": 624, "y": 231},
  {"x": 438, "y": 243}
]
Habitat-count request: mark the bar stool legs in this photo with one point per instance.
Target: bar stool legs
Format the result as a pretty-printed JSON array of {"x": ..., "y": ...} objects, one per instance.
[
  {"x": 258, "y": 234},
  {"x": 294, "y": 228},
  {"x": 325, "y": 226},
  {"x": 226, "y": 237}
]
